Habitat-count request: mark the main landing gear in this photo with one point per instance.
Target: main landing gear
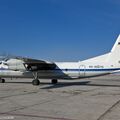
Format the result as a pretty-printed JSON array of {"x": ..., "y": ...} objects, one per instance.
[
  {"x": 36, "y": 80},
  {"x": 54, "y": 81},
  {"x": 2, "y": 80}
]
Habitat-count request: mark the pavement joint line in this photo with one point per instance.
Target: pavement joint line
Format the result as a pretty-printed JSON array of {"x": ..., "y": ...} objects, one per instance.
[
  {"x": 108, "y": 110},
  {"x": 38, "y": 116},
  {"x": 17, "y": 95},
  {"x": 21, "y": 108},
  {"x": 74, "y": 92},
  {"x": 106, "y": 92},
  {"x": 24, "y": 107}
]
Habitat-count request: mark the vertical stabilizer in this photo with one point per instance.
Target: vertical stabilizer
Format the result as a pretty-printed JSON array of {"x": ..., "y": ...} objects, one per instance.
[
  {"x": 114, "y": 56},
  {"x": 116, "y": 45}
]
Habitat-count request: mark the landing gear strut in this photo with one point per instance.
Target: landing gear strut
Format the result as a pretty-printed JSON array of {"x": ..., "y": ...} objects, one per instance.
[
  {"x": 2, "y": 80},
  {"x": 54, "y": 81},
  {"x": 36, "y": 80}
]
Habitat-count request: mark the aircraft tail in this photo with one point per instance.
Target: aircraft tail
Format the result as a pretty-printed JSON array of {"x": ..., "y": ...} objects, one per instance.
[
  {"x": 116, "y": 46},
  {"x": 115, "y": 52}
]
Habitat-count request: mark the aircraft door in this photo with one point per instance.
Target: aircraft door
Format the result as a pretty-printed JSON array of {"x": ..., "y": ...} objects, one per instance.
[{"x": 82, "y": 70}]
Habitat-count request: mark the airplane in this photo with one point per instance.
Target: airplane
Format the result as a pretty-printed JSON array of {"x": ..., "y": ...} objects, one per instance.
[{"x": 23, "y": 67}]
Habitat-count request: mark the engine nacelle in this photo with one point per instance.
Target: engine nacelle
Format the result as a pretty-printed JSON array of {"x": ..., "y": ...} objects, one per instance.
[{"x": 15, "y": 64}]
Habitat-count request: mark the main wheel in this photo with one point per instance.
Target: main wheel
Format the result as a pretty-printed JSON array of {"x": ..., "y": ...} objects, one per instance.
[
  {"x": 2, "y": 80},
  {"x": 54, "y": 81},
  {"x": 35, "y": 82}
]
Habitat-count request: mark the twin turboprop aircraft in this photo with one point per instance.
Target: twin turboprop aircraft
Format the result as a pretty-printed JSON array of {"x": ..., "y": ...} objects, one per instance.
[{"x": 20, "y": 67}]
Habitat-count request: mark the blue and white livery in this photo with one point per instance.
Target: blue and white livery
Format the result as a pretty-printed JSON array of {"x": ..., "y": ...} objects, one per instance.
[{"x": 20, "y": 67}]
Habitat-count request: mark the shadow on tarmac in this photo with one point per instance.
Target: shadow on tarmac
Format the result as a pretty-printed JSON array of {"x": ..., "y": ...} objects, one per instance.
[
  {"x": 85, "y": 83},
  {"x": 67, "y": 84}
]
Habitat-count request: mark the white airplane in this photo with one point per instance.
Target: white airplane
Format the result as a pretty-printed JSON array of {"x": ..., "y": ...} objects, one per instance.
[{"x": 20, "y": 67}]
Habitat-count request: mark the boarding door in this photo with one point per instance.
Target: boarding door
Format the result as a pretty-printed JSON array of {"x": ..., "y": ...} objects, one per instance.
[{"x": 82, "y": 70}]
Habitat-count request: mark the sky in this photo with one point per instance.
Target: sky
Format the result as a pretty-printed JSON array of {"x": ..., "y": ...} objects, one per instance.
[{"x": 58, "y": 30}]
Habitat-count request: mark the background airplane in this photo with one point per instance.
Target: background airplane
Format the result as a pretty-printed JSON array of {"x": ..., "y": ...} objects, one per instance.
[{"x": 20, "y": 67}]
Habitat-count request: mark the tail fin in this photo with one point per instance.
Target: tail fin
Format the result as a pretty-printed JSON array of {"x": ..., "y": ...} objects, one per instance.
[
  {"x": 114, "y": 56},
  {"x": 116, "y": 45}
]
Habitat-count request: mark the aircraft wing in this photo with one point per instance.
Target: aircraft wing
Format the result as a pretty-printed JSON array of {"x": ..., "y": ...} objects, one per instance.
[{"x": 36, "y": 65}]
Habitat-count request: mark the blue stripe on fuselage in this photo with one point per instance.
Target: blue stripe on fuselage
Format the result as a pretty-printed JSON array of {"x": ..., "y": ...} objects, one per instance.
[
  {"x": 105, "y": 69},
  {"x": 108, "y": 69}
]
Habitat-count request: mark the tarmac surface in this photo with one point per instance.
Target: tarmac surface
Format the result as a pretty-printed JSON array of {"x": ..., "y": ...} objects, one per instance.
[{"x": 86, "y": 99}]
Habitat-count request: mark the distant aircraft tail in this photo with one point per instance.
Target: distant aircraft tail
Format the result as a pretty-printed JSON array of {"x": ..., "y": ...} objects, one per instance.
[{"x": 115, "y": 52}]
